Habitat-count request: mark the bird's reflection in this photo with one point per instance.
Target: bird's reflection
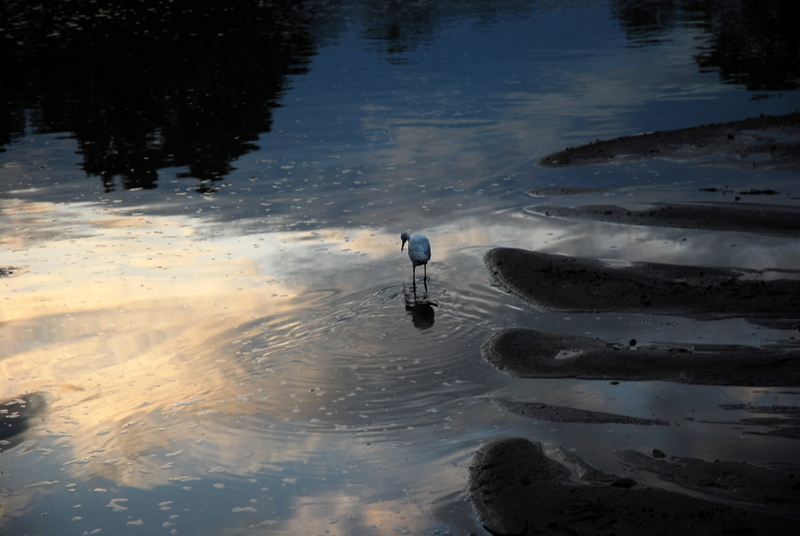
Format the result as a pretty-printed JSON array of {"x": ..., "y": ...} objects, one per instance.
[{"x": 420, "y": 308}]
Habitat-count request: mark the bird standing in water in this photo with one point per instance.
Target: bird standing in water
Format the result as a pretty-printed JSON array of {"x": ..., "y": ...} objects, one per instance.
[{"x": 419, "y": 251}]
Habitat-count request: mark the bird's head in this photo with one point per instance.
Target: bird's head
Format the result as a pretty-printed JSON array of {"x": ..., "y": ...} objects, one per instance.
[{"x": 405, "y": 237}]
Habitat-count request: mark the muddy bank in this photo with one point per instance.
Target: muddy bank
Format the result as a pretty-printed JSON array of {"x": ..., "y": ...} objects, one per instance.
[
  {"x": 561, "y": 283},
  {"x": 516, "y": 489},
  {"x": 553, "y": 191},
  {"x": 546, "y": 412},
  {"x": 783, "y": 421},
  {"x": 746, "y": 217},
  {"x": 16, "y": 415},
  {"x": 536, "y": 354},
  {"x": 766, "y": 142},
  {"x": 8, "y": 271},
  {"x": 773, "y": 485}
]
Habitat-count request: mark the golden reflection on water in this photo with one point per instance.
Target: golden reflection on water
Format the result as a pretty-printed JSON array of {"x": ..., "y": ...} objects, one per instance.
[
  {"x": 130, "y": 326},
  {"x": 107, "y": 319}
]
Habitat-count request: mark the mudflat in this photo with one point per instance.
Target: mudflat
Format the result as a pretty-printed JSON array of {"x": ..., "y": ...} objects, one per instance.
[
  {"x": 562, "y": 283},
  {"x": 765, "y": 142},
  {"x": 536, "y": 354},
  {"x": 518, "y": 490}
]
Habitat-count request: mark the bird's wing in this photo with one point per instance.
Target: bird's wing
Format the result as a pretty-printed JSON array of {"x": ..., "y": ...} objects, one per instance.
[{"x": 419, "y": 249}]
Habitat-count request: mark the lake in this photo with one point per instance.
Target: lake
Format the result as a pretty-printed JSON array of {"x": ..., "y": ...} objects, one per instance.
[{"x": 204, "y": 300}]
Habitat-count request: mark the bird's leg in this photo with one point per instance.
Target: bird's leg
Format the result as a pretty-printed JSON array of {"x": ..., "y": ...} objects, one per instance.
[
  {"x": 414, "y": 278},
  {"x": 425, "y": 278}
]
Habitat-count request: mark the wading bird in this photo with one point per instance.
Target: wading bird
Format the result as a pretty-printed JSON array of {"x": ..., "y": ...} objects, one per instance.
[{"x": 419, "y": 251}]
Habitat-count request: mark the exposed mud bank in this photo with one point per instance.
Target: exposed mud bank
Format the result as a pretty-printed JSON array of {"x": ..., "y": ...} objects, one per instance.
[
  {"x": 536, "y": 354},
  {"x": 562, "y": 283},
  {"x": 550, "y": 413},
  {"x": 774, "y": 485},
  {"x": 16, "y": 415},
  {"x": 783, "y": 421},
  {"x": 766, "y": 142},
  {"x": 517, "y": 489},
  {"x": 744, "y": 217},
  {"x": 552, "y": 191},
  {"x": 8, "y": 271}
]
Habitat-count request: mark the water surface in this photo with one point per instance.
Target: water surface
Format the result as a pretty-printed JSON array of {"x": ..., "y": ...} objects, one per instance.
[{"x": 209, "y": 291}]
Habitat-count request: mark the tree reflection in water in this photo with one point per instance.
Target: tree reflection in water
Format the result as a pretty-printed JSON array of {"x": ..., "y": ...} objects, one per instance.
[
  {"x": 748, "y": 42},
  {"x": 193, "y": 84}
]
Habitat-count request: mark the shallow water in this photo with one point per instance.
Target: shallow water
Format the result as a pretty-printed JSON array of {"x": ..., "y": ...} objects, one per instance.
[{"x": 242, "y": 353}]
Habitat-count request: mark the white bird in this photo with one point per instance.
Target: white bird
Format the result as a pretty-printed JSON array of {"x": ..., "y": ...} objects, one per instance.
[{"x": 419, "y": 251}]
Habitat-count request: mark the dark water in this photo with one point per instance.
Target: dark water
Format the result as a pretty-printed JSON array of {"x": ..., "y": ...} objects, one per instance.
[{"x": 203, "y": 206}]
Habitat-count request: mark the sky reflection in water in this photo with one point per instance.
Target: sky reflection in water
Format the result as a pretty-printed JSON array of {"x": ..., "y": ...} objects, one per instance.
[{"x": 226, "y": 347}]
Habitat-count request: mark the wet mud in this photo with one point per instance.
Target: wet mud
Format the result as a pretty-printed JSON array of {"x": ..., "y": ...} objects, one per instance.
[
  {"x": 561, "y": 283},
  {"x": 773, "y": 485},
  {"x": 552, "y": 191},
  {"x": 16, "y": 416},
  {"x": 773, "y": 220},
  {"x": 783, "y": 421},
  {"x": 536, "y": 354},
  {"x": 766, "y": 142},
  {"x": 550, "y": 413},
  {"x": 517, "y": 489},
  {"x": 8, "y": 271}
]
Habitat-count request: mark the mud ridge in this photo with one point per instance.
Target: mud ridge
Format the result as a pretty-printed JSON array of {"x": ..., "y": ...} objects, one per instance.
[
  {"x": 537, "y": 354},
  {"x": 546, "y": 412},
  {"x": 775, "y": 485},
  {"x": 561, "y": 283},
  {"x": 766, "y": 142},
  {"x": 743, "y": 217},
  {"x": 516, "y": 489}
]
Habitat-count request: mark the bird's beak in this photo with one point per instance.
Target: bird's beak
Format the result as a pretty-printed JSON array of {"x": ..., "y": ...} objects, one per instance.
[{"x": 402, "y": 245}]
